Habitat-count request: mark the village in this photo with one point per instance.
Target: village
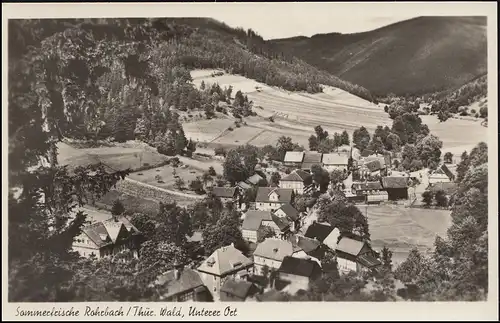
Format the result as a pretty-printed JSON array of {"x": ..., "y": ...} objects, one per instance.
[{"x": 287, "y": 242}]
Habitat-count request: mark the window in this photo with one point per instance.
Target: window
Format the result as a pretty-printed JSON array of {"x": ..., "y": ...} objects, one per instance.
[
  {"x": 186, "y": 297},
  {"x": 215, "y": 278}
]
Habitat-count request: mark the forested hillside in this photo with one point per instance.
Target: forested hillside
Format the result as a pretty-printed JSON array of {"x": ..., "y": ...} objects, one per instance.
[{"x": 416, "y": 56}]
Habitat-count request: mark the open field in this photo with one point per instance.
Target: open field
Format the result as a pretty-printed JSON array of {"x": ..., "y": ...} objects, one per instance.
[
  {"x": 128, "y": 155},
  {"x": 167, "y": 176},
  {"x": 457, "y": 135},
  {"x": 401, "y": 229},
  {"x": 296, "y": 115}
]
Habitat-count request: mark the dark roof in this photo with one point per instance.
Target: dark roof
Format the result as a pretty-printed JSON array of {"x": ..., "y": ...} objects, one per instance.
[
  {"x": 448, "y": 187},
  {"x": 319, "y": 231},
  {"x": 253, "y": 219},
  {"x": 297, "y": 176},
  {"x": 367, "y": 186},
  {"x": 282, "y": 223},
  {"x": 306, "y": 244},
  {"x": 290, "y": 211},
  {"x": 445, "y": 170},
  {"x": 368, "y": 261},
  {"x": 395, "y": 182},
  {"x": 366, "y": 153},
  {"x": 312, "y": 157},
  {"x": 167, "y": 284},
  {"x": 224, "y": 192},
  {"x": 106, "y": 232},
  {"x": 285, "y": 194},
  {"x": 239, "y": 288},
  {"x": 300, "y": 267}
]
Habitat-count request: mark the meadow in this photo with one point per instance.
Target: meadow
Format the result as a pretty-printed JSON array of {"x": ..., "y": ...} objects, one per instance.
[
  {"x": 400, "y": 229},
  {"x": 296, "y": 114}
]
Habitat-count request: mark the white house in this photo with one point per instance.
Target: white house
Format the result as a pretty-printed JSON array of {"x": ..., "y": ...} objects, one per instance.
[
  {"x": 441, "y": 175},
  {"x": 272, "y": 198},
  {"x": 354, "y": 255},
  {"x": 298, "y": 180},
  {"x": 270, "y": 253},
  {"x": 107, "y": 238},
  {"x": 335, "y": 161},
  {"x": 252, "y": 222},
  {"x": 293, "y": 158},
  {"x": 223, "y": 264}
]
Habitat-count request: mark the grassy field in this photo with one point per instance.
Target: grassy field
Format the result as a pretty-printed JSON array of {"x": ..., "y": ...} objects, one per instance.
[
  {"x": 457, "y": 135},
  {"x": 296, "y": 115},
  {"x": 167, "y": 176},
  {"x": 122, "y": 156},
  {"x": 401, "y": 229}
]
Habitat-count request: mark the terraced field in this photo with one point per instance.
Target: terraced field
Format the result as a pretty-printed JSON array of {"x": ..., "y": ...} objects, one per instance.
[{"x": 295, "y": 114}]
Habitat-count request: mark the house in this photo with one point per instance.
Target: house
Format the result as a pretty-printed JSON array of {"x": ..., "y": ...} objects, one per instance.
[
  {"x": 272, "y": 198},
  {"x": 270, "y": 254},
  {"x": 310, "y": 159},
  {"x": 298, "y": 272},
  {"x": 372, "y": 167},
  {"x": 223, "y": 264},
  {"x": 252, "y": 222},
  {"x": 307, "y": 248},
  {"x": 298, "y": 180},
  {"x": 237, "y": 290},
  {"x": 318, "y": 231},
  {"x": 243, "y": 186},
  {"x": 293, "y": 158},
  {"x": 332, "y": 239},
  {"x": 287, "y": 211},
  {"x": 181, "y": 285},
  {"x": 335, "y": 161},
  {"x": 354, "y": 255},
  {"x": 449, "y": 188},
  {"x": 396, "y": 187},
  {"x": 366, "y": 188},
  {"x": 254, "y": 179},
  {"x": 107, "y": 238},
  {"x": 227, "y": 194},
  {"x": 441, "y": 174}
]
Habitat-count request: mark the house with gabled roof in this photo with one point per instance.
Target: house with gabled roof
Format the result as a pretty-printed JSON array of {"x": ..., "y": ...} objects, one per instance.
[
  {"x": 293, "y": 158},
  {"x": 307, "y": 248},
  {"x": 298, "y": 180},
  {"x": 252, "y": 222},
  {"x": 310, "y": 159},
  {"x": 272, "y": 198},
  {"x": 270, "y": 254},
  {"x": 355, "y": 255},
  {"x": 235, "y": 290},
  {"x": 441, "y": 174},
  {"x": 335, "y": 161},
  {"x": 288, "y": 212},
  {"x": 318, "y": 231},
  {"x": 181, "y": 284},
  {"x": 227, "y": 194},
  {"x": 298, "y": 272},
  {"x": 107, "y": 238},
  {"x": 396, "y": 187},
  {"x": 223, "y": 264},
  {"x": 254, "y": 179}
]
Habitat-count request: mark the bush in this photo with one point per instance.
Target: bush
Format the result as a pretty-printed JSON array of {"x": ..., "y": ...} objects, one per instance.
[
  {"x": 175, "y": 162},
  {"x": 230, "y": 129},
  {"x": 271, "y": 118}
]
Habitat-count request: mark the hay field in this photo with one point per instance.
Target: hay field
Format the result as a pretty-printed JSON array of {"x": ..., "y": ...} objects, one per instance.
[
  {"x": 457, "y": 135},
  {"x": 296, "y": 114},
  {"x": 401, "y": 229}
]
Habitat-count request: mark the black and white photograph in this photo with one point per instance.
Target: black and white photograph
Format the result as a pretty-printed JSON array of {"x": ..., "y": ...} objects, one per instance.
[{"x": 285, "y": 154}]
